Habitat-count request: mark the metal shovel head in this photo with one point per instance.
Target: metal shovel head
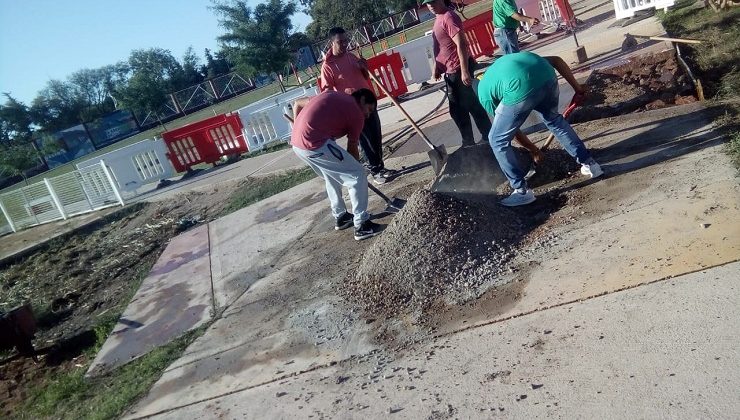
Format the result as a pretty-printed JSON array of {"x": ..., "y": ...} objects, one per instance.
[
  {"x": 393, "y": 205},
  {"x": 438, "y": 157},
  {"x": 470, "y": 170}
]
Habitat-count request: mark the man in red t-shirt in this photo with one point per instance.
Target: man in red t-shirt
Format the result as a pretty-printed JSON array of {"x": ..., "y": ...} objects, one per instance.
[
  {"x": 320, "y": 120},
  {"x": 453, "y": 60},
  {"x": 344, "y": 72}
]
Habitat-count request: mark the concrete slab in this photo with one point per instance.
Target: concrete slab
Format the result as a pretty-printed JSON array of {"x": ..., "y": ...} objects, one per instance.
[
  {"x": 246, "y": 244},
  {"x": 665, "y": 350},
  {"x": 278, "y": 328},
  {"x": 176, "y": 297}
]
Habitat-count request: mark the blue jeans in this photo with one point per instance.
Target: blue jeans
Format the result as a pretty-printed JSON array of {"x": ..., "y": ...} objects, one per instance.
[
  {"x": 507, "y": 40},
  {"x": 508, "y": 119}
]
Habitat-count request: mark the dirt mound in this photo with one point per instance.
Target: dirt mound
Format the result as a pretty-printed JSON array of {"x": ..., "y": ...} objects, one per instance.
[
  {"x": 646, "y": 82},
  {"x": 438, "y": 247}
]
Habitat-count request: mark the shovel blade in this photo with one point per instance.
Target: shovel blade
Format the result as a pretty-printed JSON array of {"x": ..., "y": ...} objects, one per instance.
[{"x": 438, "y": 158}]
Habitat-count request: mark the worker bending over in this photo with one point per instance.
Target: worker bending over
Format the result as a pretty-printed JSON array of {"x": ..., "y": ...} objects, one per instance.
[
  {"x": 320, "y": 120},
  {"x": 514, "y": 86}
]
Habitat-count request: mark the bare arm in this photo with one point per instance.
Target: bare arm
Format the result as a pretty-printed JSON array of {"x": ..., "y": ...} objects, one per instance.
[
  {"x": 562, "y": 67},
  {"x": 526, "y": 19},
  {"x": 464, "y": 55},
  {"x": 523, "y": 140},
  {"x": 298, "y": 106}
]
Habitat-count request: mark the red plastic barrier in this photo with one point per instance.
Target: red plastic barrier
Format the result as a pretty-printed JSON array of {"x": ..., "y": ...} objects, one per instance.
[
  {"x": 479, "y": 34},
  {"x": 205, "y": 141},
  {"x": 388, "y": 69}
]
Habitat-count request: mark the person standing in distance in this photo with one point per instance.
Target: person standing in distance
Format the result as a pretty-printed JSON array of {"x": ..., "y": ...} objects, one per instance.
[
  {"x": 506, "y": 18},
  {"x": 320, "y": 120},
  {"x": 342, "y": 71},
  {"x": 453, "y": 60}
]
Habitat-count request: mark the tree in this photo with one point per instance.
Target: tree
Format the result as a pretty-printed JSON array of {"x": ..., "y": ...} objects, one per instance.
[
  {"x": 397, "y": 6},
  {"x": 215, "y": 66},
  {"x": 154, "y": 73},
  {"x": 17, "y": 155},
  {"x": 57, "y": 106},
  {"x": 349, "y": 15},
  {"x": 191, "y": 69},
  {"x": 15, "y": 122},
  {"x": 260, "y": 40}
]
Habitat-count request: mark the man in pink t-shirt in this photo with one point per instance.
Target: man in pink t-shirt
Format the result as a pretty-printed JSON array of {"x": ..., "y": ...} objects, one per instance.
[
  {"x": 344, "y": 72},
  {"x": 453, "y": 60},
  {"x": 320, "y": 120}
]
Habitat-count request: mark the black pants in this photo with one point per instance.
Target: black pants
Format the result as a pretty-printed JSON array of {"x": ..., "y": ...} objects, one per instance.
[
  {"x": 371, "y": 142},
  {"x": 464, "y": 103}
]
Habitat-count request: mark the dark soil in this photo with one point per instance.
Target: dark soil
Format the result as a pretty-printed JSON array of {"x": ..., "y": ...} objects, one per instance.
[
  {"x": 646, "y": 82},
  {"x": 85, "y": 279}
]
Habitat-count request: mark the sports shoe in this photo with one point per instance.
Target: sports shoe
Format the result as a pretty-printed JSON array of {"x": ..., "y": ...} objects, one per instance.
[
  {"x": 368, "y": 229},
  {"x": 379, "y": 178},
  {"x": 344, "y": 221},
  {"x": 518, "y": 198},
  {"x": 592, "y": 169}
]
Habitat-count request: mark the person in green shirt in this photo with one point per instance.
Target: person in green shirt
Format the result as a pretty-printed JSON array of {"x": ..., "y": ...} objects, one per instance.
[
  {"x": 506, "y": 18},
  {"x": 514, "y": 86}
]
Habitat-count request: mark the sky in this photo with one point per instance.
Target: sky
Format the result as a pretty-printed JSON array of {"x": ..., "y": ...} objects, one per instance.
[{"x": 42, "y": 40}]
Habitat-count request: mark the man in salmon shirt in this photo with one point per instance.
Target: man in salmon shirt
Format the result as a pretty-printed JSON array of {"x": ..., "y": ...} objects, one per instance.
[
  {"x": 342, "y": 71},
  {"x": 453, "y": 60},
  {"x": 320, "y": 120}
]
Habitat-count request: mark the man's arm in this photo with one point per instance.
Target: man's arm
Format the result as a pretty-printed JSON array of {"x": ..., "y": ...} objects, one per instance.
[
  {"x": 298, "y": 106},
  {"x": 464, "y": 55},
  {"x": 526, "y": 19},
  {"x": 327, "y": 78},
  {"x": 523, "y": 140},
  {"x": 562, "y": 67}
]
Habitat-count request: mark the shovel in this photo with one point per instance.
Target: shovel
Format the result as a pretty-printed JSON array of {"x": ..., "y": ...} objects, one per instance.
[{"x": 437, "y": 154}]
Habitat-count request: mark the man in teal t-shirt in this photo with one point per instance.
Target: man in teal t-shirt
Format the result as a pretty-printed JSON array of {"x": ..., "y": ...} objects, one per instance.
[
  {"x": 506, "y": 18},
  {"x": 514, "y": 86}
]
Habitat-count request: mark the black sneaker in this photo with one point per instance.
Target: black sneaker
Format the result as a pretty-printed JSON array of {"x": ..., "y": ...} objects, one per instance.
[
  {"x": 368, "y": 229},
  {"x": 344, "y": 221}
]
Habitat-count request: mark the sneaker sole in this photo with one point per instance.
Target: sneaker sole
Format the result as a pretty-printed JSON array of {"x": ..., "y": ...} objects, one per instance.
[
  {"x": 362, "y": 238},
  {"x": 349, "y": 225},
  {"x": 523, "y": 203}
]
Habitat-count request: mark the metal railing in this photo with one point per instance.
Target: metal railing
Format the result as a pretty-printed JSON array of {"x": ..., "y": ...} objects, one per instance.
[{"x": 58, "y": 198}]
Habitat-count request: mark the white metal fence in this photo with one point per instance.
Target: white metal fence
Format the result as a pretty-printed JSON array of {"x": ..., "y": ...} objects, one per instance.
[{"x": 82, "y": 191}]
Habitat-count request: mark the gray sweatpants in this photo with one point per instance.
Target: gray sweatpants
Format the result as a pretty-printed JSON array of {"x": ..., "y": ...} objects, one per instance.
[{"x": 339, "y": 168}]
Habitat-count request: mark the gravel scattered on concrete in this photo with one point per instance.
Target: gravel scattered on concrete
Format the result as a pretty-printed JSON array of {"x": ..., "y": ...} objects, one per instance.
[{"x": 438, "y": 247}]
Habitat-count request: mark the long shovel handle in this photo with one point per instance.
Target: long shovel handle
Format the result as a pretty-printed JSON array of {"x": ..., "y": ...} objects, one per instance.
[{"x": 403, "y": 111}]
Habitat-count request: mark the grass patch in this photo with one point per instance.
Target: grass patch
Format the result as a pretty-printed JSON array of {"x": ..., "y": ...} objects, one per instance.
[
  {"x": 72, "y": 396},
  {"x": 273, "y": 147},
  {"x": 256, "y": 189},
  {"x": 714, "y": 61}
]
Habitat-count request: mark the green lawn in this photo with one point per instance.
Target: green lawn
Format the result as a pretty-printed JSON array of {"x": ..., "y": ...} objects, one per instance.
[{"x": 241, "y": 101}]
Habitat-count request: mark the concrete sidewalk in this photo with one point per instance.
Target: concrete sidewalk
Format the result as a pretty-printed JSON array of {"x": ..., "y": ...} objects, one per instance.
[{"x": 665, "y": 350}]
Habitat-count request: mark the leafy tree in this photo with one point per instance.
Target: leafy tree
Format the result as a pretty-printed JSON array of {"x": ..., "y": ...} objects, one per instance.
[
  {"x": 349, "y": 15},
  {"x": 215, "y": 66},
  {"x": 397, "y": 6},
  {"x": 191, "y": 69},
  {"x": 258, "y": 40},
  {"x": 153, "y": 74},
  {"x": 58, "y": 105},
  {"x": 15, "y": 122},
  {"x": 16, "y": 159}
]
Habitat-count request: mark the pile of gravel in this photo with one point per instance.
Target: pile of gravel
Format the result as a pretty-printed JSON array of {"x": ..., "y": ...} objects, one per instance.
[{"x": 438, "y": 247}]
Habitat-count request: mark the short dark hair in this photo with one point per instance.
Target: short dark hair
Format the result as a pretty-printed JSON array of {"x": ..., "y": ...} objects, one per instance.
[
  {"x": 337, "y": 30},
  {"x": 368, "y": 94}
]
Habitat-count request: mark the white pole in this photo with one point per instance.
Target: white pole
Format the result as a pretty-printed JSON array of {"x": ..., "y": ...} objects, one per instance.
[
  {"x": 55, "y": 198},
  {"x": 7, "y": 216},
  {"x": 112, "y": 182}
]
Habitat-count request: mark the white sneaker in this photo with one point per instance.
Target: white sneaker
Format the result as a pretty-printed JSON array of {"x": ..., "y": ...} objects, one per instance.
[
  {"x": 518, "y": 198},
  {"x": 592, "y": 170}
]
